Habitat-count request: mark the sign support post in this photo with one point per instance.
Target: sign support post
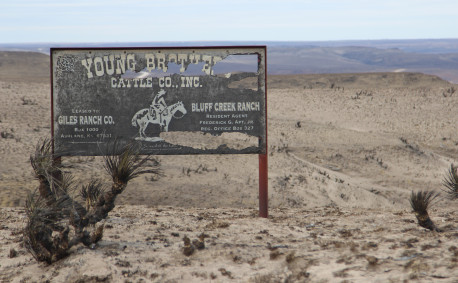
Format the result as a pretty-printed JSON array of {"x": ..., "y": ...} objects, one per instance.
[
  {"x": 263, "y": 166},
  {"x": 263, "y": 186}
]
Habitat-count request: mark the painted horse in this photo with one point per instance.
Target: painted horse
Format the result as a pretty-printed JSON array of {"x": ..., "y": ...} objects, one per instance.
[{"x": 143, "y": 117}]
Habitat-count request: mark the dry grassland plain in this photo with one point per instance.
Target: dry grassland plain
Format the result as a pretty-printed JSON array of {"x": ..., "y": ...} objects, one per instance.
[{"x": 345, "y": 152}]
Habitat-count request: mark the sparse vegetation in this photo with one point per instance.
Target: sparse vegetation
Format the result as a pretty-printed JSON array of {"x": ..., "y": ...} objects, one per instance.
[
  {"x": 6, "y": 135},
  {"x": 282, "y": 147},
  {"x": 197, "y": 244},
  {"x": 56, "y": 221},
  {"x": 449, "y": 92},
  {"x": 379, "y": 161},
  {"x": 414, "y": 148},
  {"x": 199, "y": 170},
  {"x": 360, "y": 93},
  {"x": 27, "y": 101}
]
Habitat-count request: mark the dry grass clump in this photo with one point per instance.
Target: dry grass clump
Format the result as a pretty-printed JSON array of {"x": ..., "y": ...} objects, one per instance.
[{"x": 56, "y": 221}]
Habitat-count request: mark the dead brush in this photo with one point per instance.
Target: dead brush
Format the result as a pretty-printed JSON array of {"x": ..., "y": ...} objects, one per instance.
[
  {"x": 55, "y": 220},
  {"x": 420, "y": 202}
]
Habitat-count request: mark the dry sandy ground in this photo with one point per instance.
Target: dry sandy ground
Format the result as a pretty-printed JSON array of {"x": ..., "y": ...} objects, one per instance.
[
  {"x": 345, "y": 152},
  {"x": 325, "y": 244}
]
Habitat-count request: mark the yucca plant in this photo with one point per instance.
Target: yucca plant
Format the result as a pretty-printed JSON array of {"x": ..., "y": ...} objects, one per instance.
[
  {"x": 451, "y": 182},
  {"x": 122, "y": 164},
  {"x": 420, "y": 202},
  {"x": 125, "y": 164},
  {"x": 42, "y": 160},
  {"x": 45, "y": 169},
  {"x": 91, "y": 192},
  {"x": 53, "y": 214},
  {"x": 43, "y": 220}
]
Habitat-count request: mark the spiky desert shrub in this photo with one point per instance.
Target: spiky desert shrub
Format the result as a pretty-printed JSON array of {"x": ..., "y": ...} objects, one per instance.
[
  {"x": 91, "y": 192},
  {"x": 451, "y": 182},
  {"x": 56, "y": 221},
  {"x": 420, "y": 202}
]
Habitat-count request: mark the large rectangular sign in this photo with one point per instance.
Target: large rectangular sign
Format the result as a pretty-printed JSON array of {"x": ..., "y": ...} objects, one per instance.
[{"x": 169, "y": 100}]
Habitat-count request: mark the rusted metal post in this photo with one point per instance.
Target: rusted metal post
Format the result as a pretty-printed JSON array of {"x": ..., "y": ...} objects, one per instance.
[
  {"x": 263, "y": 168},
  {"x": 263, "y": 188}
]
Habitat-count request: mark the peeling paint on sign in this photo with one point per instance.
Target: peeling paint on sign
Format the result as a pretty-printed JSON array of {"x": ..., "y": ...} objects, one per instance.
[
  {"x": 170, "y": 101},
  {"x": 204, "y": 141}
]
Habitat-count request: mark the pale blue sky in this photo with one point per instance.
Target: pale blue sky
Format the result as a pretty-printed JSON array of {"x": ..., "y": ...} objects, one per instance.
[{"x": 28, "y": 21}]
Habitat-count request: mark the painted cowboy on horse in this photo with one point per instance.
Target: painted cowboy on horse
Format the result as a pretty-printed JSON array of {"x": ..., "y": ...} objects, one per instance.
[
  {"x": 158, "y": 106},
  {"x": 157, "y": 113}
]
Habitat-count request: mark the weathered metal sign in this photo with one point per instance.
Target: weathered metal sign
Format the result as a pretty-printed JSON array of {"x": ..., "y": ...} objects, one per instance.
[{"x": 169, "y": 100}]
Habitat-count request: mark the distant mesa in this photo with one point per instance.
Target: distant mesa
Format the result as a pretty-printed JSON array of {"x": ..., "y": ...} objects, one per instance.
[{"x": 429, "y": 56}]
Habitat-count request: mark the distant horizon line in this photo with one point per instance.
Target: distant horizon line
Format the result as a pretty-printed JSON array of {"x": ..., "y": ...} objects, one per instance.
[{"x": 216, "y": 41}]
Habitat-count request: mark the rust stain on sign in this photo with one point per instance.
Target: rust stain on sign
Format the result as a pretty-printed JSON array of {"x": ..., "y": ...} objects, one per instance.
[{"x": 170, "y": 101}]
